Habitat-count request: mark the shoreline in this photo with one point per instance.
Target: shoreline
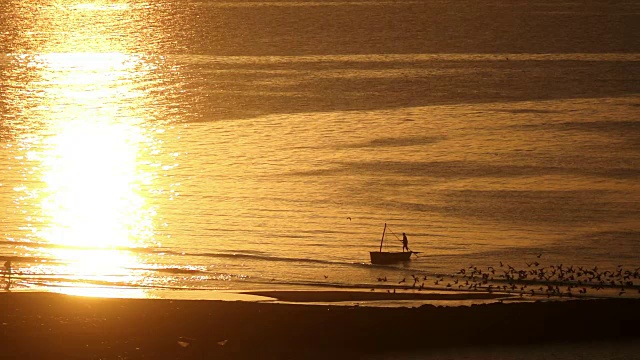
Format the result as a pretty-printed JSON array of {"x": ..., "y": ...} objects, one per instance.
[
  {"x": 52, "y": 326},
  {"x": 334, "y": 296}
]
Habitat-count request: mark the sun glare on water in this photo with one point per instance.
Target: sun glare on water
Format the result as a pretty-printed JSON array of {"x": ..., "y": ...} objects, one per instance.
[
  {"x": 95, "y": 212},
  {"x": 83, "y": 88},
  {"x": 93, "y": 206},
  {"x": 91, "y": 178},
  {"x": 86, "y": 121}
]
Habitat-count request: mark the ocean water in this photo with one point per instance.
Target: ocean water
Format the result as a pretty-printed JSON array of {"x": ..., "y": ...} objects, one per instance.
[{"x": 182, "y": 148}]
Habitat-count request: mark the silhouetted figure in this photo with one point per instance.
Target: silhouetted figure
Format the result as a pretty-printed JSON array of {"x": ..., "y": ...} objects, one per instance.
[
  {"x": 7, "y": 274},
  {"x": 405, "y": 242}
]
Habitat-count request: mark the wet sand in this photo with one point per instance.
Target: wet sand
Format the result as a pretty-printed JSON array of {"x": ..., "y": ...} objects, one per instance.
[
  {"x": 53, "y": 326},
  {"x": 332, "y": 296}
]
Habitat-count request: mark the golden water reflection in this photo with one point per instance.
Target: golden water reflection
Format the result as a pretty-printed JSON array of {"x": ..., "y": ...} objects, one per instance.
[
  {"x": 91, "y": 178},
  {"x": 95, "y": 272},
  {"x": 93, "y": 140},
  {"x": 82, "y": 90}
]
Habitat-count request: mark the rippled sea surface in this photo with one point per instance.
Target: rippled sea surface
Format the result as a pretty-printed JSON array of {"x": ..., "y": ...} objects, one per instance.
[{"x": 205, "y": 145}]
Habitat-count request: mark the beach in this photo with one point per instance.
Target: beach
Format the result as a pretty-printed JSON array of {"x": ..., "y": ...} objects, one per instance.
[
  {"x": 55, "y": 326},
  {"x": 209, "y": 179}
]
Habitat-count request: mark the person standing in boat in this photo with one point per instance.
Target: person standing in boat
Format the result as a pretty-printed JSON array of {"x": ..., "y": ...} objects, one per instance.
[{"x": 405, "y": 242}]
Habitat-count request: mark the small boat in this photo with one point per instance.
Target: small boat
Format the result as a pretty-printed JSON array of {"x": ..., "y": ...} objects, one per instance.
[{"x": 389, "y": 257}]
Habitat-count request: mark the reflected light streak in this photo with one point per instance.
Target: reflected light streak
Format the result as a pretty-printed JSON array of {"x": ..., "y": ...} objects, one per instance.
[
  {"x": 91, "y": 179},
  {"x": 92, "y": 202},
  {"x": 88, "y": 81},
  {"x": 83, "y": 90}
]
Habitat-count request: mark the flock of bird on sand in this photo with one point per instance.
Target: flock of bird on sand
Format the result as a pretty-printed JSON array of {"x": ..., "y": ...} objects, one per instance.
[{"x": 556, "y": 280}]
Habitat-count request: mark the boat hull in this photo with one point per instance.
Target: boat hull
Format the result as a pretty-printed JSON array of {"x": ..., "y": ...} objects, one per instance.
[{"x": 383, "y": 257}]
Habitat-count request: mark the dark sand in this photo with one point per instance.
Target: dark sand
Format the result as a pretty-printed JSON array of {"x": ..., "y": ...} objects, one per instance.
[{"x": 52, "y": 326}]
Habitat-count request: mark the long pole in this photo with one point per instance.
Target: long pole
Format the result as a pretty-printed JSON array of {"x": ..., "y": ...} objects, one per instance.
[{"x": 383, "y": 231}]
